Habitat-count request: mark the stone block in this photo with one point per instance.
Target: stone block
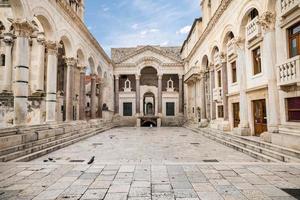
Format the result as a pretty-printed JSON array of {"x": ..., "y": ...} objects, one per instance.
[
  {"x": 10, "y": 141},
  {"x": 59, "y": 131},
  {"x": 46, "y": 134}
]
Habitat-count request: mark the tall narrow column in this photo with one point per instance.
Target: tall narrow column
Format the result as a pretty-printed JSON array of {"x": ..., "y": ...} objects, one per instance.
[
  {"x": 51, "y": 86},
  {"x": 202, "y": 95},
  {"x": 180, "y": 94},
  {"x": 117, "y": 94},
  {"x": 39, "y": 85},
  {"x": 138, "y": 103},
  {"x": 269, "y": 61},
  {"x": 225, "y": 90},
  {"x": 212, "y": 102},
  {"x": 23, "y": 30},
  {"x": 244, "y": 124},
  {"x": 93, "y": 96},
  {"x": 82, "y": 94},
  {"x": 8, "y": 39},
  {"x": 69, "y": 88},
  {"x": 100, "y": 99},
  {"x": 159, "y": 94}
]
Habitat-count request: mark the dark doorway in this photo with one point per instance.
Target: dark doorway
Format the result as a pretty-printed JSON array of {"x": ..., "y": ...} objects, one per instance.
[
  {"x": 236, "y": 114},
  {"x": 260, "y": 117}
]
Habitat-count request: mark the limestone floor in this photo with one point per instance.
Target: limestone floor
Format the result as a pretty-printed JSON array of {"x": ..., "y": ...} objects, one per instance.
[
  {"x": 148, "y": 146},
  {"x": 147, "y": 164}
]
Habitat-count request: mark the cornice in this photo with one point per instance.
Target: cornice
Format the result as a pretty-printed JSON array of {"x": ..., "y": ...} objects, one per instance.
[
  {"x": 69, "y": 12},
  {"x": 221, "y": 9}
]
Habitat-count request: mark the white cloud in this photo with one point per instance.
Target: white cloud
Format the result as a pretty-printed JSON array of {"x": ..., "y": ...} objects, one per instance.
[
  {"x": 184, "y": 30},
  {"x": 165, "y": 43},
  {"x": 135, "y": 26}
]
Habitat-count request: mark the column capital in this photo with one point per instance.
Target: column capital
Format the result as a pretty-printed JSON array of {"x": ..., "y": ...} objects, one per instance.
[
  {"x": 82, "y": 69},
  {"x": 159, "y": 76},
  {"x": 180, "y": 76},
  {"x": 71, "y": 61},
  {"x": 267, "y": 21},
  {"x": 117, "y": 76},
  {"x": 41, "y": 38},
  {"x": 137, "y": 76},
  {"x": 8, "y": 38},
  {"x": 22, "y": 27},
  {"x": 52, "y": 47}
]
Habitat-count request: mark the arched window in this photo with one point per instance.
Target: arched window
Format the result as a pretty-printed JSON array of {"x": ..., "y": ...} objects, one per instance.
[
  {"x": 253, "y": 14},
  {"x": 2, "y": 60},
  {"x": 170, "y": 85},
  {"x": 127, "y": 86}
]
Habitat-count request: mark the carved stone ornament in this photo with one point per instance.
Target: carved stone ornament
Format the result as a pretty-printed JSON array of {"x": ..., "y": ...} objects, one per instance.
[
  {"x": 22, "y": 27},
  {"x": 267, "y": 20},
  {"x": 52, "y": 47}
]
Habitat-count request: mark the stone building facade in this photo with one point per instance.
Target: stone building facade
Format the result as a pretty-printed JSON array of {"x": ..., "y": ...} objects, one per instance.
[
  {"x": 148, "y": 85},
  {"x": 46, "y": 54},
  {"x": 242, "y": 69}
]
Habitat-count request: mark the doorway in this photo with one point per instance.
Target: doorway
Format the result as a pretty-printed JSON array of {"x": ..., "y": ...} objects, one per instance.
[
  {"x": 149, "y": 104},
  {"x": 236, "y": 114},
  {"x": 260, "y": 117}
]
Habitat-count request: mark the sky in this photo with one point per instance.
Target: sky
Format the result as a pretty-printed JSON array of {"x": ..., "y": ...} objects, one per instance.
[{"x": 128, "y": 23}]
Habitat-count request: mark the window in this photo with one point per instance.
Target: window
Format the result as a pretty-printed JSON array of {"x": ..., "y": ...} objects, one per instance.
[
  {"x": 233, "y": 72},
  {"x": 219, "y": 78},
  {"x": 2, "y": 60},
  {"x": 294, "y": 40},
  {"x": 253, "y": 14},
  {"x": 293, "y": 109},
  {"x": 88, "y": 104},
  {"x": 127, "y": 109},
  {"x": 256, "y": 61},
  {"x": 170, "y": 108},
  {"x": 220, "y": 111}
]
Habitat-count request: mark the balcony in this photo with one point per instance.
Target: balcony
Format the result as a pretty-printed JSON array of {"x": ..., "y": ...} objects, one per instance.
[
  {"x": 192, "y": 74},
  {"x": 289, "y": 72},
  {"x": 217, "y": 95},
  {"x": 253, "y": 30},
  {"x": 288, "y": 6},
  {"x": 231, "y": 49}
]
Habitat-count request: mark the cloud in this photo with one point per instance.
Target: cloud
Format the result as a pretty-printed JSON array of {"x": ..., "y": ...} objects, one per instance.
[
  {"x": 135, "y": 26},
  {"x": 184, "y": 30}
]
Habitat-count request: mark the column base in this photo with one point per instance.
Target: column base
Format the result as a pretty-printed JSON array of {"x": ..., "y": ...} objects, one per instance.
[
  {"x": 138, "y": 122},
  {"x": 159, "y": 122},
  {"x": 203, "y": 123},
  {"x": 266, "y": 137},
  {"x": 224, "y": 126},
  {"x": 243, "y": 131},
  {"x": 273, "y": 129}
]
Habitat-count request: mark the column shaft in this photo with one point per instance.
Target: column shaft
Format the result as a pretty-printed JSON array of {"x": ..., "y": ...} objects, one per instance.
[
  {"x": 225, "y": 91},
  {"x": 93, "y": 96},
  {"x": 8, "y": 39},
  {"x": 202, "y": 95},
  {"x": 180, "y": 94},
  {"x": 41, "y": 63},
  {"x": 82, "y": 96},
  {"x": 160, "y": 94},
  {"x": 100, "y": 100},
  {"x": 138, "y": 103},
  {"x": 69, "y": 88},
  {"x": 51, "y": 85},
  {"x": 212, "y": 102},
  {"x": 116, "y": 94}
]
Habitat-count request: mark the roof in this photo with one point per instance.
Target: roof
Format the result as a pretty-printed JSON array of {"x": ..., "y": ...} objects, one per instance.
[{"x": 191, "y": 31}]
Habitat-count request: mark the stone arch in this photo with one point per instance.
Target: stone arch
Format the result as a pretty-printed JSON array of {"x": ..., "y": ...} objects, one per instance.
[
  {"x": 91, "y": 67},
  {"x": 20, "y": 9},
  {"x": 227, "y": 35},
  {"x": 47, "y": 23},
  {"x": 243, "y": 17},
  {"x": 214, "y": 50},
  {"x": 205, "y": 63},
  {"x": 149, "y": 61},
  {"x": 80, "y": 57},
  {"x": 66, "y": 38},
  {"x": 99, "y": 71}
]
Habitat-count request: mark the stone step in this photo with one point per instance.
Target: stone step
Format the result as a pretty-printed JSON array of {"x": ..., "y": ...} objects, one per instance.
[
  {"x": 289, "y": 155},
  {"x": 45, "y": 151},
  {"x": 237, "y": 147},
  {"x": 48, "y": 142},
  {"x": 274, "y": 154}
]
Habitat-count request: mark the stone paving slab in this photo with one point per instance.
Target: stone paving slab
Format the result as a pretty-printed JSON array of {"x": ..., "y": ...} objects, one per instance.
[{"x": 180, "y": 181}]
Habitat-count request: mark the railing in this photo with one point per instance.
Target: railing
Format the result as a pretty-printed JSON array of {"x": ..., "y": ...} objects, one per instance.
[
  {"x": 289, "y": 72},
  {"x": 193, "y": 71},
  {"x": 217, "y": 94},
  {"x": 231, "y": 48},
  {"x": 253, "y": 29},
  {"x": 288, "y": 6}
]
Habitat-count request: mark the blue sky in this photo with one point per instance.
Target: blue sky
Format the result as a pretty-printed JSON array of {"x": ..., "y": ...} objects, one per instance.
[{"x": 127, "y": 23}]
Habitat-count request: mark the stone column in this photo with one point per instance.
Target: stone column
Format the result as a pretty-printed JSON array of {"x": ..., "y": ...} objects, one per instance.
[
  {"x": 160, "y": 94},
  {"x": 100, "y": 100},
  {"x": 225, "y": 91},
  {"x": 51, "y": 86},
  {"x": 269, "y": 62},
  {"x": 138, "y": 94},
  {"x": 242, "y": 77},
  {"x": 41, "y": 62},
  {"x": 117, "y": 94},
  {"x": 93, "y": 96},
  {"x": 69, "y": 88},
  {"x": 203, "y": 103},
  {"x": 212, "y": 102},
  {"x": 82, "y": 94},
  {"x": 23, "y": 30},
  {"x": 180, "y": 93},
  {"x": 8, "y": 39}
]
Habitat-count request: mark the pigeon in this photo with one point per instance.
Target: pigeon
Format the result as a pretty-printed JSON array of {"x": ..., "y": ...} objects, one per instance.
[{"x": 91, "y": 160}]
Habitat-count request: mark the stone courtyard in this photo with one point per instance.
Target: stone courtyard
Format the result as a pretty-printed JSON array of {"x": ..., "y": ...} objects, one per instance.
[{"x": 147, "y": 163}]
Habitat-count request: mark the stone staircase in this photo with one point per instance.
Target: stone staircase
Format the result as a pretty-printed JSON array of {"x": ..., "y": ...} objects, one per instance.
[
  {"x": 260, "y": 150},
  {"x": 27, "y": 143}
]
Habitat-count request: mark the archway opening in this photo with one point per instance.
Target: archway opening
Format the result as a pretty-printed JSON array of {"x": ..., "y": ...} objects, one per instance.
[
  {"x": 149, "y": 76},
  {"x": 61, "y": 81},
  {"x": 149, "y": 104}
]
